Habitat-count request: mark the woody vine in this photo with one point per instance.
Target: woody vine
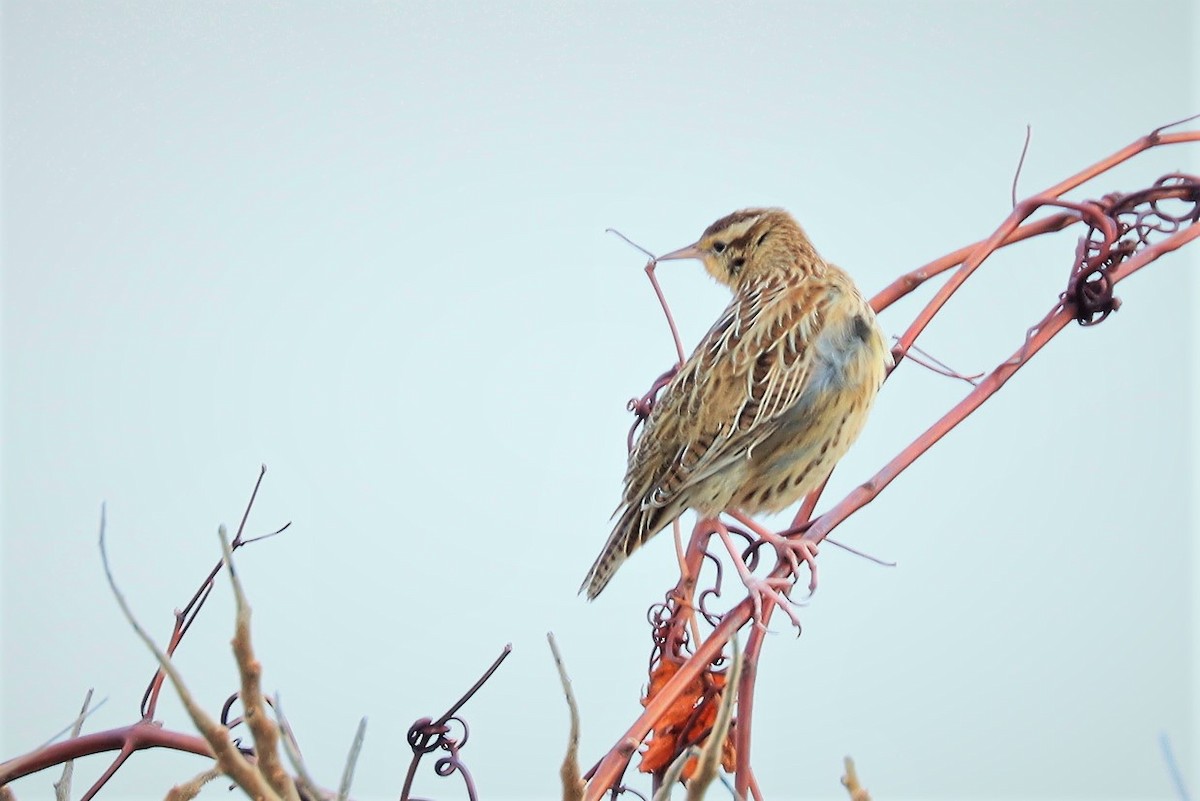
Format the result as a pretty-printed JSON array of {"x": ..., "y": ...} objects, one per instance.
[{"x": 691, "y": 722}]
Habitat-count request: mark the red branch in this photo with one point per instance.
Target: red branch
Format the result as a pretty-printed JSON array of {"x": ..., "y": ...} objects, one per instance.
[
  {"x": 127, "y": 739},
  {"x": 146, "y": 733},
  {"x": 1101, "y": 263}
]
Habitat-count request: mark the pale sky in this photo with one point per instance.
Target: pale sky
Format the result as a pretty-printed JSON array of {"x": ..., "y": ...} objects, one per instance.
[{"x": 363, "y": 243}]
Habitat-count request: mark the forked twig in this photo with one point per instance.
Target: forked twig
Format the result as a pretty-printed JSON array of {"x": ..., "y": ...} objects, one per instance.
[
  {"x": 185, "y": 617},
  {"x": 658, "y": 293},
  {"x": 229, "y": 758}
]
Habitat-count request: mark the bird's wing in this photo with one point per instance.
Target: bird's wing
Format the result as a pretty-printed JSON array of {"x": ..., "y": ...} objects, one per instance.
[{"x": 751, "y": 367}]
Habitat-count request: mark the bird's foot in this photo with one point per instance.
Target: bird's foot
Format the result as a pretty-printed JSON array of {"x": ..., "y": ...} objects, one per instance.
[
  {"x": 761, "y": 590},
  {"x": 795, "y": 551},
  {"x": 774, "y": 590},
  {"x": 791, "y": 550}
]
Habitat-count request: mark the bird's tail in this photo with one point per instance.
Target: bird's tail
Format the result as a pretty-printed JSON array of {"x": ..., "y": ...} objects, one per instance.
[{"x": 636, "y": 525}]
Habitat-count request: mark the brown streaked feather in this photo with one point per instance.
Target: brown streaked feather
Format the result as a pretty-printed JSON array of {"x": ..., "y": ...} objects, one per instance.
[
  {"x": 696, "y": 430},
  {"x": 769, "y": 400}
]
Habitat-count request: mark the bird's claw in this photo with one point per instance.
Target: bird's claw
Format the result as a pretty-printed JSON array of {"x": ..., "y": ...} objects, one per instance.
[
  {"x": 776, "y": 589},
  {"x": 793, "y": 552}
]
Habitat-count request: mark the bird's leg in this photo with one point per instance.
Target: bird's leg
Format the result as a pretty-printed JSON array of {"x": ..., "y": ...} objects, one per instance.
[
  {"x": 788, "y": 549},
  {"x": 775, "y": 589}
]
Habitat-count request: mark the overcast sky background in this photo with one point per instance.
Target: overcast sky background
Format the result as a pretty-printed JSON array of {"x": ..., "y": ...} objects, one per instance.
[{"x": 363, "y": 243}]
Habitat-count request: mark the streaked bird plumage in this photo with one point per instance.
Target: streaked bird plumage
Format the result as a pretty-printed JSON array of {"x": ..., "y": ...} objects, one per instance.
[{"x": 770, "y": 400}]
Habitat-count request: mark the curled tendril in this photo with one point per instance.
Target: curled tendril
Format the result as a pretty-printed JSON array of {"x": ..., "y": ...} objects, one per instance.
[
  {"x": 660, "y": 616},
  {"x": 233, "y": 723},
  {"x": 713, "y": 618},
  {"x": 449, "y": 765},
  {"x": 427, "y": 735},
  {"x": 1119, "y": 225},
  {"x": 641, "y": 407}
]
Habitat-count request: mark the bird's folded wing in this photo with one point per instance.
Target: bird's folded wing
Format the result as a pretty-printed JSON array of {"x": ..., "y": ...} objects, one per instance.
[{"x": 731, "y": 394}]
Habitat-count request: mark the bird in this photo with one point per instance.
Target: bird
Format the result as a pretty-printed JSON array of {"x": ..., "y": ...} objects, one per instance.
[{"x": 770, "y": 400}]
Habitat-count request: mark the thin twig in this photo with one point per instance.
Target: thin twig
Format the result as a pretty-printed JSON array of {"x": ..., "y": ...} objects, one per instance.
[
  {"x": 291, "y": 747},
  {"x": 850, "y": 782},
  {"x": 487, "y": 674},
  {"x": 710, "y": 757},
  {"x": 75, "y": 725},
  {"x": 674, "y": 772},
  {"x": 856, "y": 552},
  {"x": 662, "y": 301},
  {"x": 229, "y": 759},
  {"x": 631, "y": 243},
  {"x": 936, "y": 365},
  {"x": 681, "y": 556},
  {"x": 572, "y": 781},
  {"x": 62, "y": 787},
  {"x": 254, "y": 705},
  {"x": 352, "y": 760},
  {"x": 745, "y": 717},
  {"x": 658, "y": 293},
  {"x": 1021, "y": 163},
  {"x": 192, "y": 787},
  {"x": 185, "y": 617}
]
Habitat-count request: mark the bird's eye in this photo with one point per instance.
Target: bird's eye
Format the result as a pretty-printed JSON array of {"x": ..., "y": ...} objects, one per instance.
[{"x": 718, "y": 247}]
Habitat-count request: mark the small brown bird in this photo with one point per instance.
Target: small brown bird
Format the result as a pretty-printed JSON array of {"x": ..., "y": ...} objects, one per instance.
[{"x": 772, "y": 398}]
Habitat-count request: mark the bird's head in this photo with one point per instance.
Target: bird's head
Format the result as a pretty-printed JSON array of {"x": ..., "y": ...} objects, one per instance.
[{"x": 748, "y": 245}]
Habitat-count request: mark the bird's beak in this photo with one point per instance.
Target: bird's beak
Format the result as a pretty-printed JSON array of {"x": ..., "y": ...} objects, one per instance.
[{"x": 690, "y": 252}]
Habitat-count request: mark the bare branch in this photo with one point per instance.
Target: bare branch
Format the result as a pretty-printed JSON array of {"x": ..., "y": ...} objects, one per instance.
[
  {"x": 62, "y": 787},
  {"x": 262, "y": 727},
  {"x": 352, "y": 760},
  {"x": 850, "y": 782},
  {"x": 191, "y": 788},
  {"x": 308, "y": 788},
  {"x": 572, "y": 781},
  {"x": 710, "y": 757},
  {"x": 675, "y": 772},
  {"x": 229, "y": 759},
  {"x": 1125, "y": 233},
  {"x": 1021, "y": 163},
  {"x": 74, "y": 726},
  {"x": 185, "y": 617}
]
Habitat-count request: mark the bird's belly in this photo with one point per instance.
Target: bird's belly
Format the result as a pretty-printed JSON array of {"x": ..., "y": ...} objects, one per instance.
[{"x": 814, "y": 434}]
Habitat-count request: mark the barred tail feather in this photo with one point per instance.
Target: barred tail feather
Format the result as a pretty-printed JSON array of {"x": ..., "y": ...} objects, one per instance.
[{"x": 635, "y": 526}]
